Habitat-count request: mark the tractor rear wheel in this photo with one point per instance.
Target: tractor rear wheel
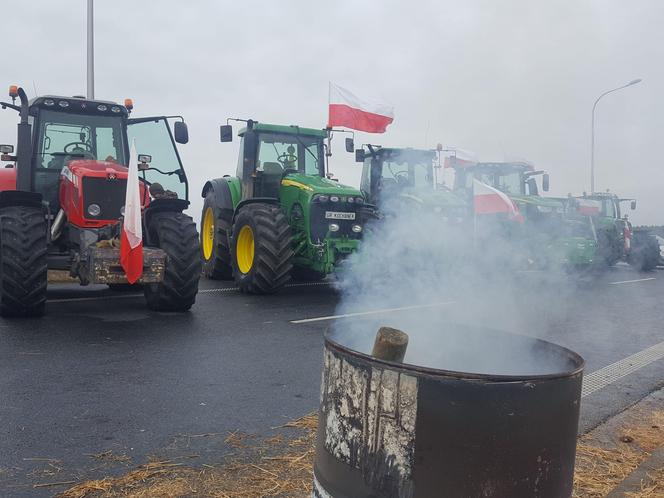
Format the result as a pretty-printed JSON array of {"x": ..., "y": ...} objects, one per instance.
[
  {"x": 175, "y": 233},
  {"x": 261, "y": 249},
  {"x": 23, "y": 267},
  {"x": 214, "y": 241}
]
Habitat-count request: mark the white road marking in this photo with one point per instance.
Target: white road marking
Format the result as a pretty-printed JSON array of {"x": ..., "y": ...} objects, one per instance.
[
  {"x": 616, "y": 371},
  {"x": 201, "y": 291},
  {"x": 632, "y": 281},
  {"x": 372, "y": 312}
]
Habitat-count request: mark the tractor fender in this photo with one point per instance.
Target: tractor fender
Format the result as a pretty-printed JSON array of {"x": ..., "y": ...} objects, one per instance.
[
  {"x": 20, "y": 198},
  {"x": 255, "y": 200},
  {"x": 162, "y": 206},
  {"x": 222, "y": 196}
]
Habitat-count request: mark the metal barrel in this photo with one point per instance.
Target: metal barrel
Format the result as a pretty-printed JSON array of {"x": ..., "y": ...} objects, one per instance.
[{"x": 410, "y": 430}]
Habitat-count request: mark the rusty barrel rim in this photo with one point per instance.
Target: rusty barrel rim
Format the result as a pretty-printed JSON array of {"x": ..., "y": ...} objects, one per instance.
[{"x": 574, "y": 358}]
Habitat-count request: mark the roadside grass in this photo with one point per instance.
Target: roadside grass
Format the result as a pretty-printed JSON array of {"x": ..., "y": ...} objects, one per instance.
[{"x": 280, "y": 467}]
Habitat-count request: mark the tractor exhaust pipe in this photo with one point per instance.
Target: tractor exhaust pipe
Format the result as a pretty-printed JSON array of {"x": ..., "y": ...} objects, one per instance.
[
  {"x": 23, "y": 146},
  {"x": 390, "y": 345},
  {"x": 56, "y": 227}
]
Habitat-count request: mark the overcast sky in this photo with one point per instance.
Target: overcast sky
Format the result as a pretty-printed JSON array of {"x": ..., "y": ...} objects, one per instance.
[{"x": 503, "y": 79}]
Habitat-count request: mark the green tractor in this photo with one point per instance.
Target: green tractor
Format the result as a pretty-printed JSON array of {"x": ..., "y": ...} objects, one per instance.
[
  {"x": 282, "y": 215},
  {"x": 550, "y": 236},
  {"x": 617, "y": 239},
  {"x": 398, "y": 178}
]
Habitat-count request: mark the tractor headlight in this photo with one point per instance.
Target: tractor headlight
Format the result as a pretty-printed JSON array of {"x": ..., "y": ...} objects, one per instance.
[
  {"x": 102, "y": 107},
  {"x": 94, "y": 209},
  {"x": 334, "y": 198},
  {"x": 356, "y": 228},
  {"x": 359, "y": 200},
  {"x": 49, "y": 102},
  {"x": 63, "y": 103},
  {"x": 333, "y": 227},
  {"x": 350, "y": 199},
  {"x": 115, "y": 108},
  {"x": 122, "y": 211},
  {"x": 321, "y": 198}
]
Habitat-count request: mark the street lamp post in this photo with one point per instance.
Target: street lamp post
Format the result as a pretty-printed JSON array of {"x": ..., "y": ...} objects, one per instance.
[
  {"x": 91, "y": 51},
  {"x": 592, "y": 139}
]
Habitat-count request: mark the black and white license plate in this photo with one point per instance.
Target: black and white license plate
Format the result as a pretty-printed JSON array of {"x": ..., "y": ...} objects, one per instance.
[{"x": 337, "y": 215}]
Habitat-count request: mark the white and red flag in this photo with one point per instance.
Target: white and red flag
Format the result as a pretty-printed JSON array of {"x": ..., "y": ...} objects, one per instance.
[
  {"x": 488, "y": 200},
  {"x": 351, "y": 111},
  {"x": 131, "y": 241}
]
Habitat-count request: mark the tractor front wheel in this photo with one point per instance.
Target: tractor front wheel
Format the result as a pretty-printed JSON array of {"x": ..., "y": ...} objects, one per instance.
[
  {"x": 261, "y": 249},
  {"x": 175, "y": 233},
  {"x": 214, "y": 241},
  {"x": 23, "y": 267}
]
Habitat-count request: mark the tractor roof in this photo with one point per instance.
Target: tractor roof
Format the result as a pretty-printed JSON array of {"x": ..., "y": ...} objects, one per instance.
[
  {"x": 78, "y": 105},
  {"x": 286, "y": 129},
  {"x": 406, "y": 151}
]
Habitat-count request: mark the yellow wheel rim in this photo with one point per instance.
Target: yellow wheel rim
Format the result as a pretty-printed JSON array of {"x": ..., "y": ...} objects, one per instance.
[
  {"x": 245, "y": 249},
  {"x": 207, "y": 234}
]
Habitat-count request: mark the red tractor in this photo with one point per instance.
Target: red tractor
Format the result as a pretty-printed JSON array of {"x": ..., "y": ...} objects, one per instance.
[{"x": 62, "y": 201}]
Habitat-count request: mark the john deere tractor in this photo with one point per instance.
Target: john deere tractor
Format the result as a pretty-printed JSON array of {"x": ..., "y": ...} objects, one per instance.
[
  {"x": 549, "y": 236},
  {"x": 617, "y": 239},
  {"x": 62, "y": 201},
  {"x": 281, "y": 215},
  {"x": 394, "y": 178}
]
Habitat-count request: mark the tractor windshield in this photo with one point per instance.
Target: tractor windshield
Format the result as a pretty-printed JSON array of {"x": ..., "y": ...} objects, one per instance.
[
  {"x": 66, "y": 136},
  {"x": 278, "y": 153},
  {"x": 508, "y": 182},
  {"x": 404, "y": 171}
]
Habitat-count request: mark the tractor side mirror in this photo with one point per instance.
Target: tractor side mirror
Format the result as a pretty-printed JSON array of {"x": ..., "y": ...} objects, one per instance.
[
  {"x": 359, "y": 155},
  {"x": 350, "y": 144},
  {"x": 6, "y": 149},
  {"x": 632, "y": 205},
  {"x": 181, "y": 132},
  {"x": 545, "y": 182},
  {"x": 144, "y": 161},
  {"x": 226, "y": 133}
]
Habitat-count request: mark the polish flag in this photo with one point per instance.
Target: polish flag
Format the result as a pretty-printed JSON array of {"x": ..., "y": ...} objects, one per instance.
[
  {"x": 488, "y": 200},
  {"x": 588, "y": 207},
  {"x": 131, "y": 242},
  {"x": 351, "y": 111}
]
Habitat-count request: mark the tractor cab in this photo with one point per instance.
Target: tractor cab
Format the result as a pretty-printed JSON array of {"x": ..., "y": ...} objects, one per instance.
[
  {"x": 512, "y": 178},
  {"x": 388, "y": 172},
  {"x": 269, "y": 153}
]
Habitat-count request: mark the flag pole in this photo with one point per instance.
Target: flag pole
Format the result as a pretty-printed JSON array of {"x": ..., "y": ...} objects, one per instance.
[{"x": 91, "y": 51}]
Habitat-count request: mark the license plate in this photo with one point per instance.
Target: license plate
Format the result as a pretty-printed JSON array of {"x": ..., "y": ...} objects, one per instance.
[{"x": 336, "y": 215}]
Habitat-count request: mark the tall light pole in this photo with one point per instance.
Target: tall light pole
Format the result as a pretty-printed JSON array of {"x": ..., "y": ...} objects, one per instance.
[
  {"x": 91, "y": 52},
  {"x": 592, "y": 140}
]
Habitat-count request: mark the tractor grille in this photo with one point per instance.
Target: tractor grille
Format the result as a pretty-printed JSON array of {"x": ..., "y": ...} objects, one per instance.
[
  {"x": 319, "y": 224},
  {"x": 108, "y": 194}
]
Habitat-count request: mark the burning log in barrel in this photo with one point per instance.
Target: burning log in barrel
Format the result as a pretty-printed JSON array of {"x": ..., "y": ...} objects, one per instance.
[
  {"x": 390, "y": 344},
  {"x": 398, "y": 430}
]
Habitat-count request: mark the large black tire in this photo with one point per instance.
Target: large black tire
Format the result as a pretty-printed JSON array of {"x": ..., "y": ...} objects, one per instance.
[
  {"x": 175, "y": 233},
  {"x": 645, "y": 254},
  {"x": 609, "y": 250},
  {"x": 270, "y": 267},
  {"x": 217, "y": 261},
  {"x": 23, "y": 266}
]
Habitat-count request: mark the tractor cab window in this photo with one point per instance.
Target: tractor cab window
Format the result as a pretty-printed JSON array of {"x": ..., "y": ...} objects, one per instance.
[
  {"x": 153, "y": 137},
  {"x": 510, "y": 183},
  {"x": 277, "y": 153},
  {"x": 67, "y": 136},
  {"x": 400, "y": 172}
]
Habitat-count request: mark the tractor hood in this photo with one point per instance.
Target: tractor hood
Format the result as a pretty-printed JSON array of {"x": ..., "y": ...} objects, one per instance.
[
  {"x": 433, "y": 198},
  {"x": 318, "y": 185}
]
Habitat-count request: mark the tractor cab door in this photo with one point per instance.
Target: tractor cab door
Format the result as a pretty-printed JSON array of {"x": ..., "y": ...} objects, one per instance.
[
  {"x": 370, "y": 182},
  {"x": 153, "y": 137}
]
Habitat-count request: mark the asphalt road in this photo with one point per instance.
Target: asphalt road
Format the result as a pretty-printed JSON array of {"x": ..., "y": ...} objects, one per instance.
[{"x": 100, "y": 372}]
